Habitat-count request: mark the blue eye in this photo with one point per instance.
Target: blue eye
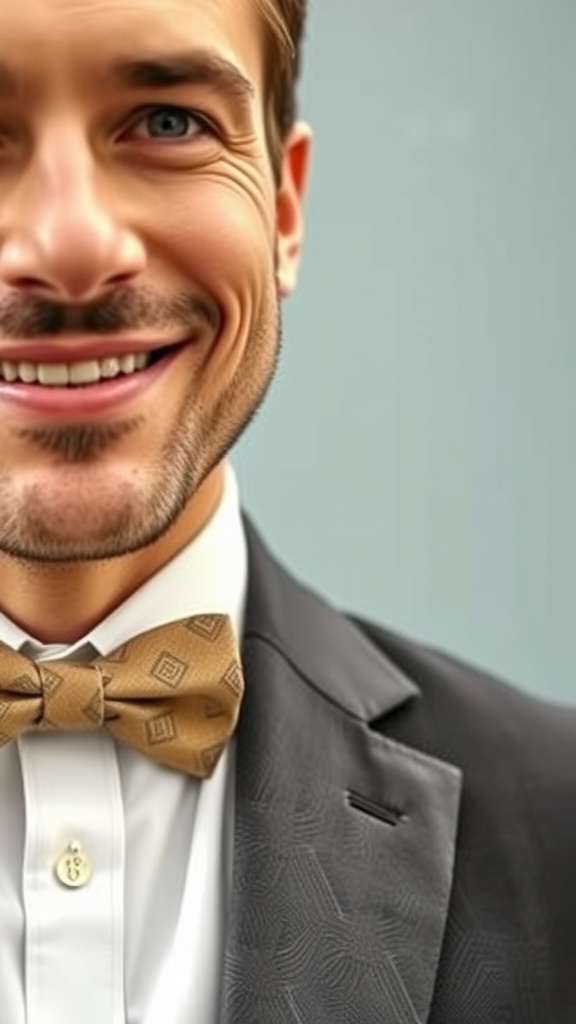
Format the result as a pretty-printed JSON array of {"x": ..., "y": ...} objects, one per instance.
[{"x": 171, "y": 123}]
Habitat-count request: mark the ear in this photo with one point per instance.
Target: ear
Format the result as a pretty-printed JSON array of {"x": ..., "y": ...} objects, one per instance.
[{"x": 289, "y": 207}]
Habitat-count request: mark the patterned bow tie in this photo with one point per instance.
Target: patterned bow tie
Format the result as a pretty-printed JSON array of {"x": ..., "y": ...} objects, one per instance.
[{"x": 172, "y": 693}]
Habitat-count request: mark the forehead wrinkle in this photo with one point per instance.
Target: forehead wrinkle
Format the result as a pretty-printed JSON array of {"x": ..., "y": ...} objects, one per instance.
[{"x": 59, "y": 40}]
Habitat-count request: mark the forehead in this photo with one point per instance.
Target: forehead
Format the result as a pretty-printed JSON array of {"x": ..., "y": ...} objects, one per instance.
[{"x": 60, "y": 39}]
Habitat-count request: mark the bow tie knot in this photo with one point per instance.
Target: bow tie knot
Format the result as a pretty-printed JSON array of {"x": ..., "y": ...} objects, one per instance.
[
  {"x": 173, "y": 693},
  {"x": 73, "y": 696}
]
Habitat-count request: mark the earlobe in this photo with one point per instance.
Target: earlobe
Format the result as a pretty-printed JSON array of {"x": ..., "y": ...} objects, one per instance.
[{"x": 289, "y": 206}]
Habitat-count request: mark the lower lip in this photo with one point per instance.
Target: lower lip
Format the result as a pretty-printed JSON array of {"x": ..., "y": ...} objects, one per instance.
[{"x": 104, "y": 397}]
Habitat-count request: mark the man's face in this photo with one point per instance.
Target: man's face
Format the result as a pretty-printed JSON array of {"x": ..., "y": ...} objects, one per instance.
[{"x": 138, "y": 216}]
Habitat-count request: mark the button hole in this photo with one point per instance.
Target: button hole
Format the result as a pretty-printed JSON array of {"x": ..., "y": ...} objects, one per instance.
[{"x": 389, "y": 815}]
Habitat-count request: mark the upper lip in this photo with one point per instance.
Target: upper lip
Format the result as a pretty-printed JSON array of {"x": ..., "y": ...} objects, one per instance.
[{"x": 78, "y": 350}]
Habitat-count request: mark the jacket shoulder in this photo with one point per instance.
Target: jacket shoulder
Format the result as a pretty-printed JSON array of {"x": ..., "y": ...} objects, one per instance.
[{"x": 463, "y": 709}]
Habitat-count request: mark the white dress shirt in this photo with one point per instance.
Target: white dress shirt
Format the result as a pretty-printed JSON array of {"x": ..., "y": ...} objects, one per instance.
[{"x": 141, "y": 942}]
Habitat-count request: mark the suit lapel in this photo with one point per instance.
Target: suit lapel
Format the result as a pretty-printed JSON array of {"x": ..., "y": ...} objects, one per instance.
[{"x": 344, "y": 839}]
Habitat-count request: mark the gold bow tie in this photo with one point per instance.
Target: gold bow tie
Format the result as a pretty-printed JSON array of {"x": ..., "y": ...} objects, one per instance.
[{"x": 172, "y": 693}]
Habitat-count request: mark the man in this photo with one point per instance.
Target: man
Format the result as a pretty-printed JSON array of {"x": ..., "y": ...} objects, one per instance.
[{"x": 387, "y": 835}]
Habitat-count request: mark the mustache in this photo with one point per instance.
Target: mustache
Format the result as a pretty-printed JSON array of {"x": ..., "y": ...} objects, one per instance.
[{"x": 124, "y": 311}]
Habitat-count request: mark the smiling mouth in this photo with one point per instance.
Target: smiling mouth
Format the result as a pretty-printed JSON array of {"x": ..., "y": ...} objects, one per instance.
[{"x": 82, "y": 373}]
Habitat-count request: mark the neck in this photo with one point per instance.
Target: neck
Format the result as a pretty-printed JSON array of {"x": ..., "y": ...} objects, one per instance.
[{"x": 60, "y": 603}]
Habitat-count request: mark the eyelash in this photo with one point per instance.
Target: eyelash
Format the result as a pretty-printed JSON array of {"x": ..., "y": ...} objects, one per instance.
[{"x": 205, "y": 126}]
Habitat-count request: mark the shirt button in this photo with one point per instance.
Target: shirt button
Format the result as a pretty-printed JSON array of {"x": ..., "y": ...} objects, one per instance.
[{"x": 73, "y": 869}]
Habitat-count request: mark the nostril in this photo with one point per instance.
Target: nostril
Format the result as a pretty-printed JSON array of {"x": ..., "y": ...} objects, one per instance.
[
  {"x": 119, "y": 279},
  {"x": 29, "y": 282}
]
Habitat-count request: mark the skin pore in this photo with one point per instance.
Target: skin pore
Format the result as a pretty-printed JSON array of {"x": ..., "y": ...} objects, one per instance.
[{"x": 137, "y": 208}]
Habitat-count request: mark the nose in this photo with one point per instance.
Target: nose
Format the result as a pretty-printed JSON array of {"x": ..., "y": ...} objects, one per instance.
[{"x": 61, "y": 234}]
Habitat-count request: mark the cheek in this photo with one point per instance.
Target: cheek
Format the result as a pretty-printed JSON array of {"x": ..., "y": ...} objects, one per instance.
[
  {"x": 220, "y": 239},
  {"x": 220, "y": 235}
]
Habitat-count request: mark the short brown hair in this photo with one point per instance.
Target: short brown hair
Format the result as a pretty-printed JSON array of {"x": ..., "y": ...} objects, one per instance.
[{"x": 285, "y": 30}]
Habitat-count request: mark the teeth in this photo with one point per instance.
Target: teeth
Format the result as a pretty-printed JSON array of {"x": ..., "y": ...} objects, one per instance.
[
  {"x": 54, "y": 374},
  {"x": 128, "y": 364},
  {"x": 109, "y": 367},
  {"x": 88, "y": 372},
  {"x": 9, "y": 371},
  {"x": 27, "y": 372},
  {"x": 61, "y": 374}
]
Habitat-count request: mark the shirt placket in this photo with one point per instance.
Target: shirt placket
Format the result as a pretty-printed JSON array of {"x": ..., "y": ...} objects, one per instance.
[{"x": 73, "y": 879}]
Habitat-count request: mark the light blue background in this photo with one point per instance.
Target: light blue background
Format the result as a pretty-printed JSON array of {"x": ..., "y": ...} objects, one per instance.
[{"x": 415, "y": 459}]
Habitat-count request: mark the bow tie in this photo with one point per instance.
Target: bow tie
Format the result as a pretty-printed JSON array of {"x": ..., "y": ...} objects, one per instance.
[{"x": 172, "y": 693}]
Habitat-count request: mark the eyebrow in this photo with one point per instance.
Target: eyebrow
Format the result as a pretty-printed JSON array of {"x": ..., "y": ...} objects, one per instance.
[
  {"x": 161, "y": 71},
  {"x": 198, "y": 68}
]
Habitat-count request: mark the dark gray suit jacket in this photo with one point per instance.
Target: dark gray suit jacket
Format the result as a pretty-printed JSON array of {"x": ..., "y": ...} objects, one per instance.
[{"x": 405, "y": 846}]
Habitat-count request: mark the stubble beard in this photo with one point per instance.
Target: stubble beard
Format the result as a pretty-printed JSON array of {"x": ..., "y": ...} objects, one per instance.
[{"x": 127, "y": 518}]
